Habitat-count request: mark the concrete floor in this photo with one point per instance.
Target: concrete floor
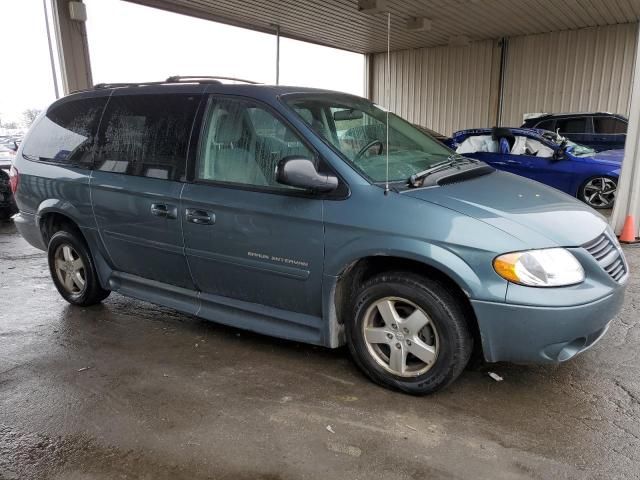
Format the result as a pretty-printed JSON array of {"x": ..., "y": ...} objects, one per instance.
[{"x": 130, "y": 390}]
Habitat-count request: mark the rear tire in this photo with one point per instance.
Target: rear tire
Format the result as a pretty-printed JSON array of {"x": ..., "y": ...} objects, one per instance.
[
  {"x": 73, "y": 270},
  {"x": 408, "y": 333}
]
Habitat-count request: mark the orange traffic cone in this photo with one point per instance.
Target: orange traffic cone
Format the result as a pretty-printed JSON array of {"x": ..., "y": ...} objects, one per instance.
[{"x": 628, "y": 234}]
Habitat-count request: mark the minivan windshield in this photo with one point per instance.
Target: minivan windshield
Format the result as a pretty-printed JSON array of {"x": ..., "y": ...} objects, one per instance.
[{"x": 357, "y": 129}]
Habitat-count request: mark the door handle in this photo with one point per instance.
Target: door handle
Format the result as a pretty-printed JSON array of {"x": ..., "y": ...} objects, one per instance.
[
  {"x": 162, "y": 210},
  {"x": 200, "y": 217}
]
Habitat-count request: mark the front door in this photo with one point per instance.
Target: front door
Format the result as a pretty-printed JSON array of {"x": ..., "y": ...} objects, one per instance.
[
  {"x": 558, "y": 173},
  {"x": 137, "y": 180},
  {"x": 247, "y": 237}
]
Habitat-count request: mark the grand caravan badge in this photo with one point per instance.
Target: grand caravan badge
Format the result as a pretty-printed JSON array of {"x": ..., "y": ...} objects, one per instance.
[{"x": 283, "y": 260}]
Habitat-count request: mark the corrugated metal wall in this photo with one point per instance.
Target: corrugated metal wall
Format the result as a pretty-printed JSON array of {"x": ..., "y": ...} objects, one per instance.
[
  {"x": 451, "y": 88},
  {"x": 571, "y": 71},
  {"x": 443, "y": 88}
]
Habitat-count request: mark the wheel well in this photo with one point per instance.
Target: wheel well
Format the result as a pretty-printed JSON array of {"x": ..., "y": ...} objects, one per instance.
[
  {"x": 365, "y": 268},
  {"x": 53, "y": 222}
]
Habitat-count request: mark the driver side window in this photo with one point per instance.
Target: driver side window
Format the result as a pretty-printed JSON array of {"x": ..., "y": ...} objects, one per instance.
[{"x": 243, "y": 142}]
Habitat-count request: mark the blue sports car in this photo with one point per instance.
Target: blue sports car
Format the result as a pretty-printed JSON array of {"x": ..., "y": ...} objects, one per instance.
[{"x": 548, "y": 158}]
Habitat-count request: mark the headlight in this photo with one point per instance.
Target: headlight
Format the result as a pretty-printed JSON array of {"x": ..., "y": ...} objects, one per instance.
[{"x": 553, "y": 267}]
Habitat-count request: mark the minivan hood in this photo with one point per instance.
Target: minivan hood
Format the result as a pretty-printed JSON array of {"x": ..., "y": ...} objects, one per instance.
[
  {"x": 612, "y": 157},
  {"x": 538, "y": 215}
]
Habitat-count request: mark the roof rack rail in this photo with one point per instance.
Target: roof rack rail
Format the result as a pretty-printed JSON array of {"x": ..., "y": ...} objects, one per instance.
[
  {"x": 205, "y": 79},
  {"x": 175, "y": 79},
  {"x": 125, "y": 84}
]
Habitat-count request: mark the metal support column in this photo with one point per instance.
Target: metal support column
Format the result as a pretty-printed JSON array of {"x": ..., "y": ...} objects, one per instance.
[
  {"x": 277, "y": 54},
  {"x": 73, "y": 48},
  {"x": 51, "y": 56},
  {"x": 628, "y": 194}
]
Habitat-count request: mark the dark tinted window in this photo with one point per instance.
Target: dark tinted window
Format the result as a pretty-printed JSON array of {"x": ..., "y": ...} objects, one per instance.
[
  {"x": 147, "y": 135},
  {"x": 609, "y": 125},
  {"x": 572, "y": 125},
  {"x": 546, "y": 125},
  {"x": 66, "y": 133}
]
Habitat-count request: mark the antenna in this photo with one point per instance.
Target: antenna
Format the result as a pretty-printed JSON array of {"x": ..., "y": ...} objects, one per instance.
[{"x": 388, "y": 95}]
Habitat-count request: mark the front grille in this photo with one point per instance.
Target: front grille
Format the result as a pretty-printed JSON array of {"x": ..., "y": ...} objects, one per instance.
[{"x": 606, "y": 252}]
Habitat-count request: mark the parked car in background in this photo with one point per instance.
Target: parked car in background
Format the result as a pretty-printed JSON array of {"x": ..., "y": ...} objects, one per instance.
[
  {"x": 267, "y": 208},
  {"x": 599, "y": 130},
  {"x": 7, "y": 203},
  {"x": 548, "y": 158},
  {"x": 448, "y": 141}
]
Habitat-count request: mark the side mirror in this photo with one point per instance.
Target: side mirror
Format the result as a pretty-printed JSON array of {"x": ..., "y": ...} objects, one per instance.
[{"x": 301, "y": 172}]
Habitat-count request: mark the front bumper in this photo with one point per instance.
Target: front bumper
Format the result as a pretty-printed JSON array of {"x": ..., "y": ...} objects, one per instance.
[{"x": 537, "y": 334}]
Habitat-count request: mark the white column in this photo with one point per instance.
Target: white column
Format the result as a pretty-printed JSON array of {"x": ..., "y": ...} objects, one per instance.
[
  {"x": 628, "y": 194},
  {"x": 73, "y": 48},
  {"x": 367, "y": 76}
]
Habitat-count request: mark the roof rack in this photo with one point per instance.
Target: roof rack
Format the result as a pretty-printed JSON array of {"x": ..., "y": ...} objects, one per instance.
[
  {"x": 176, "y": 79},
  {"x": 126, "y": 84},
  {"x": 205, "y": 79}
]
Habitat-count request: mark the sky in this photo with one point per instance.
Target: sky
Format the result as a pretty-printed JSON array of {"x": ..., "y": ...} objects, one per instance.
[{"x": 129, "y": 42}]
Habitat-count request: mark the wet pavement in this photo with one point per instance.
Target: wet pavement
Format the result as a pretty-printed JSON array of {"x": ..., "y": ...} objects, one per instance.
[{"x": 130, "y": 390}]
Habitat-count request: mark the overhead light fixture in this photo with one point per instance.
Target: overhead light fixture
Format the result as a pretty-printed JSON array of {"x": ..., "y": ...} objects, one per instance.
[
  {"x": 373, "y": 6},
  {"x": 78, "y": 11},
  {"x": 418, "y": 24}
]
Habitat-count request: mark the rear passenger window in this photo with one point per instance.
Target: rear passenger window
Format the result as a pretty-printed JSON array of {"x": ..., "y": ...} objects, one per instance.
[
  {"x": 147, "y": 135},
  {"x": 572, "y": 125},
  {"x": 65, "y": 135},
  {"x": 243, "y": 143},
  {"x": 609, "y": 125}
]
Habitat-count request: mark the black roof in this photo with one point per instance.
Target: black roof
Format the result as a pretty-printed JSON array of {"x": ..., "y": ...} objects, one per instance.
[
  {"x": 196, "y": 85},
  {"x": 550, "y": 116}
]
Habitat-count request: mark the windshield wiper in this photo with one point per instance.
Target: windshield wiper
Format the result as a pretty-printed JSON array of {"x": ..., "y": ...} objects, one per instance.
[{"x": 416, "y": 179}]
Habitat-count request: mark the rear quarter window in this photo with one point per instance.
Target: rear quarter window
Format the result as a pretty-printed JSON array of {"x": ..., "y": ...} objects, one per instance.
[
  {"x": 66, "y": 133},
  {"x": 609, "y": 125}
]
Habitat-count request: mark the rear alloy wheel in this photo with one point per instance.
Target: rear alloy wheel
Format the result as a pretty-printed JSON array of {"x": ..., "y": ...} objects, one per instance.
[
  {"x": 409, "y": 332},
  {"x": 70, "y": 269},
  {"x": 599, "y": 192},
  {"x": 73, "y": 271}
]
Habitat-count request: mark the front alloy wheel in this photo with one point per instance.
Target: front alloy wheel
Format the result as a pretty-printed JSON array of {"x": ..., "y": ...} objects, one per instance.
[
  {"x": 409, "y": 332},
  {"x": 599, "y": 192},
  {"x": 400, "y": 336}
]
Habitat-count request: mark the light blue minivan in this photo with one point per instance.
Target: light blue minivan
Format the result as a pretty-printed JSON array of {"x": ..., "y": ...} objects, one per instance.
[{"x": 291, "y": 212}]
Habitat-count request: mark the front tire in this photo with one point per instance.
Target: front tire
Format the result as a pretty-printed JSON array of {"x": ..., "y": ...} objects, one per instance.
[
  {"x": 599, "y": 192},
  {"x": 73, "y": 271},
  {"x": 408, "y": 333}
]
